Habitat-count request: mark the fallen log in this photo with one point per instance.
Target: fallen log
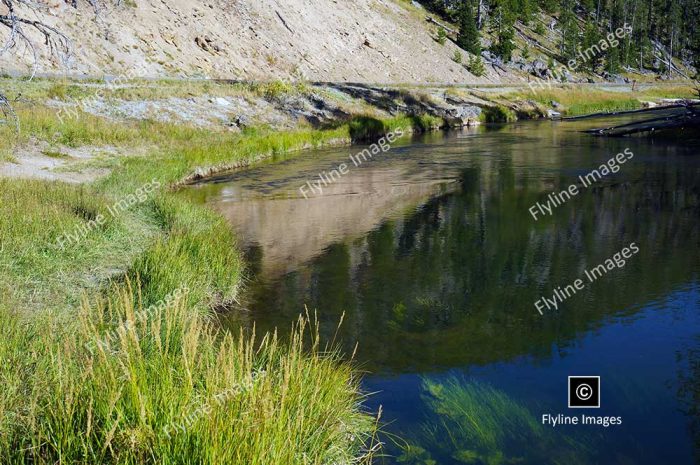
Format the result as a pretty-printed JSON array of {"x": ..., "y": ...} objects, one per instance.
[
  {"x": 430, "y": 19},
  {"x": 621, "y": 112},
  {"x": 688, "y": 118}
]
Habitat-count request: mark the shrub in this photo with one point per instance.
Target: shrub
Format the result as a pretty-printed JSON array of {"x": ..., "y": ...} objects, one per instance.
[
  {"x": 498, "y": 114},
  {"x": 441, "y": 36},
  {"x": 476, "y": 66},
  {"x": 457, "y": 57}
]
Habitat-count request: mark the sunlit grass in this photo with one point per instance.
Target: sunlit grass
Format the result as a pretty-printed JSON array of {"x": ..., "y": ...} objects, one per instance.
[
  {"x": 35, "y": 270},
  {"x": 585, "y": 100},
  {"x": 168, "y": 388},
  {"x": 39, "y": 89}
]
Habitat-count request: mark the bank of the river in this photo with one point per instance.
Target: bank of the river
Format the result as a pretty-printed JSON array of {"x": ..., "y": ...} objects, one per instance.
[{"x": 139, "y": 376}]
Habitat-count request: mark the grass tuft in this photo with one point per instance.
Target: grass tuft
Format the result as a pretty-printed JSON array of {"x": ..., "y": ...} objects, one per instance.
[{"x": 166, "y": 387}]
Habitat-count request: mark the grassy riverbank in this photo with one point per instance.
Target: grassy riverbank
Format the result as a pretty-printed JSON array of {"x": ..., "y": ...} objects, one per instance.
[
  {"x": 117, "y": 384},
  {"x": 575, "y": 100},
  {"x": 523, "y": 102}
]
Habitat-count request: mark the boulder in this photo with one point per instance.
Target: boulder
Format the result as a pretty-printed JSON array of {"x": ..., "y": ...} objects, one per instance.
[
  {"x": 242, "y": 121},
  {"x": 466, "y": 111},
  {"x": 463, "y": 115},
  {"x": 539, "y": 68}
]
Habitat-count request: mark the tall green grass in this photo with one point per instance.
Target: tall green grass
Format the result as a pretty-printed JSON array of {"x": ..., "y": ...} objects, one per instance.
[
  {"x": 64, "y": 403},
  {"x": 168, "y": 388},
  {"x": 582, "y": 101},
  {"x": 369, "y": 128}
]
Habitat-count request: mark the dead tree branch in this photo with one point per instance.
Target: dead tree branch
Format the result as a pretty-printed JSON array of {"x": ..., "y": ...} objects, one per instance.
[{"x": 17, "y": 23}]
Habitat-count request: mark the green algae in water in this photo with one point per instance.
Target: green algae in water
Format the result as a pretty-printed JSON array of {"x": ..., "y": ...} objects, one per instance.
[{"x": 471, "y": 422}]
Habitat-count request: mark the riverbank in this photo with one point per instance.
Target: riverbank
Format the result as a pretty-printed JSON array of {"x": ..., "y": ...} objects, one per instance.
[
  {"x": 114, "y": 249},
  {"x": 122, "y": 245}
]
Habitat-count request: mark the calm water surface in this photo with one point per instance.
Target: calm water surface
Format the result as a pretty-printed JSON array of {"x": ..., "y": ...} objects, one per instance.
[{"x": 432, "y": 256}]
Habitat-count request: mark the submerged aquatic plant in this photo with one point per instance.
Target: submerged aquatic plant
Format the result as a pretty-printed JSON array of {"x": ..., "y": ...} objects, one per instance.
[{"x": 474, "y": 423}]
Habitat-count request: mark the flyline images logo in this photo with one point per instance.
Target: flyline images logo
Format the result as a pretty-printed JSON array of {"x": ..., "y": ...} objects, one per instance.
[{"x": 584, "y": 391}]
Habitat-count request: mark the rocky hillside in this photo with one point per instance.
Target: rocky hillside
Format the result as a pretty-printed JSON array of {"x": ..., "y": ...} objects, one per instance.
[{"x": 376, "y": 41}]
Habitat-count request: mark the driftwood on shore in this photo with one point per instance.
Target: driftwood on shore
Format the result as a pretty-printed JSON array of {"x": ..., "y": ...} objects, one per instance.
[
  {"x": 448, "y": 29},
  {"x": 684, "y": 115}
]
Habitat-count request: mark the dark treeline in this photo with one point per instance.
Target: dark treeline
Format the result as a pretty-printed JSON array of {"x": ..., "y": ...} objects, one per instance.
[{"x": 660, "y": 29}]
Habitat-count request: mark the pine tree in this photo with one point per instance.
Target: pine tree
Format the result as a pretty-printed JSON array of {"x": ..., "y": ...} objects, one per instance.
[
  {"x": 612, "y": 63},
  {"x": 468, "y": 37},
  {"x": 694, "y": 47},
  {"x": 612, "y": 58},
  {"x": 590, "y": 48},
  {"x": 569, "y": 30},
  {"x": 476, "y": 66},
  {"x": 504, "y": 45}
]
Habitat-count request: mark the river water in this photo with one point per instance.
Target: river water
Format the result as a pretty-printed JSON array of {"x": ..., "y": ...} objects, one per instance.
[{"x": 431, "y": 255}]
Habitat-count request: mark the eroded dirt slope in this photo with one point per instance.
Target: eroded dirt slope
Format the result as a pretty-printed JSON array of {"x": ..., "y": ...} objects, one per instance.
[{"x": 378, "y": 41}]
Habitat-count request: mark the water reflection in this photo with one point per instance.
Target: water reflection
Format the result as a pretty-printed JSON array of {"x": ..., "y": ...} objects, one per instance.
[
  {"x": 433, "y": 258},
  {"x": 453, "y": 281}
]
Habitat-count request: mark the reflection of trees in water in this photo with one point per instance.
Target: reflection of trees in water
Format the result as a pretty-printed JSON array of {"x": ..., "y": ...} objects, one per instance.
[
  {"x": 689, "y": 391},
  {"x": 455, "y": 282}
]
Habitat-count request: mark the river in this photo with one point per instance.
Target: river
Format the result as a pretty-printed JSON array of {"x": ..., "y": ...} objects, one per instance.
[{"x": 432, "y": 256}]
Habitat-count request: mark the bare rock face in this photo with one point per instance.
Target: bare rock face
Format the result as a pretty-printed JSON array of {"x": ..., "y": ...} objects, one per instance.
[
  {"x": 460, "y": 113},
  {"x": 467, "y": 111}
]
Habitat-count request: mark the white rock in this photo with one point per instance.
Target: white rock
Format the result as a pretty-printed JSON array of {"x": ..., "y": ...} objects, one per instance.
[{"x": 222, "y": 101}]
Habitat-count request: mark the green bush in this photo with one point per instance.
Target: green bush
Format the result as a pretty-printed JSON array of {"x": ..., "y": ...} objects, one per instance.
[
  {"x": 441, "y": 36},
  {"x": 476, "y": 66},
  {"x": 498, "y": 114}
]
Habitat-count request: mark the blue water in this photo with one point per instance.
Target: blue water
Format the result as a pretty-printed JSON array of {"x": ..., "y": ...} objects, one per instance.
[
  {"x": 431, "y": 258},
  {"x": 640, "y": 358}
]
